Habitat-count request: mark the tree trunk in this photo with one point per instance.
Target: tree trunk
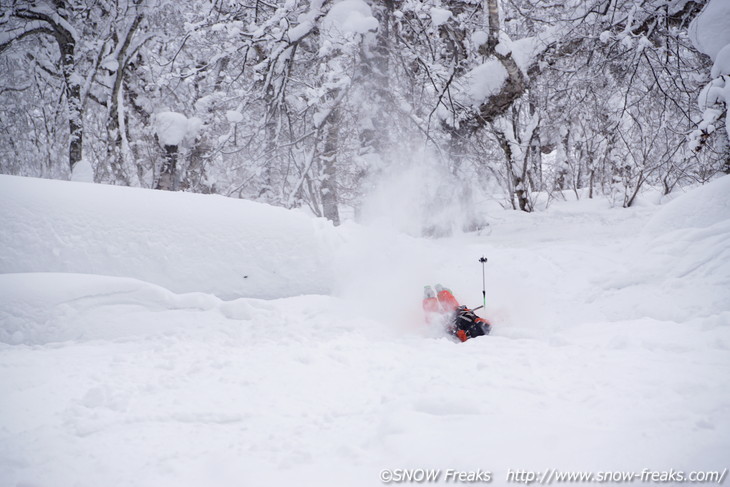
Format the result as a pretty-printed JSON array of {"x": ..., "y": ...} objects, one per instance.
[
  {"x": 376, "y": 136},
  {"x": 519, "y": 190},
  {"x": 629, "y": 200},
  {"x": 118, "y": 143},
  {"x": 194, "y": 177},
  {"x": 76, "y": 129},
  {"x": 328, "y": 159},
  {"x": 270, "y": 140},
  {"x": 169, "y": 169},
  {"x": 515, "y": 84},
  {"x": 591, "y": 181},
  {"x": 535, "y": 156},
  {"x": 521, "y": 193},
  {"x": 67, "y": 47},
  {"x": 563, "y": 172}
]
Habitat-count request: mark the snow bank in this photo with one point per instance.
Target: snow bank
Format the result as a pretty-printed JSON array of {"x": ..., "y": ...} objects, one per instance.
[
  {"x": 41, "y": 308},
  {"x": 183, "y": 242},
  {"x": 702, "y": 207},
  {"x": 680, "y": 268}
]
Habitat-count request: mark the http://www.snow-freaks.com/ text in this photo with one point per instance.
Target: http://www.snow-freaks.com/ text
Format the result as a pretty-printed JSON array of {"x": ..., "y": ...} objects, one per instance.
[{"x": 549, "y": 476}]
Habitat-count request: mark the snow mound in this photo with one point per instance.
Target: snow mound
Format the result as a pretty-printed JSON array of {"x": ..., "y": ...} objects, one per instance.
[
  {"x": 680, "y": 268},
  {"x": 51, "y": 308},
  {"x": 40, "y": 308},
  {"x": 700, "y": 208},
  {"x": 181, "y": 241}
]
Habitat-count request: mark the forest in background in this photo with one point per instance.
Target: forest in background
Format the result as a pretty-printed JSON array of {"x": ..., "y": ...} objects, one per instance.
[{"x": 313, "y": 103}]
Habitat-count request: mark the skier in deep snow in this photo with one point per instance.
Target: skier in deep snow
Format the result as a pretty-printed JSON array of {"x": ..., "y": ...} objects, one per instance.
[{"x": 460, "y": 321}]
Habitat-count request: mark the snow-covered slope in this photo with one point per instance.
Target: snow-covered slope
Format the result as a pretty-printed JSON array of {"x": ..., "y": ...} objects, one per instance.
[
  {"x": 610, "y": 351},
  {"x": 680, "y": 268},
  {"x": 185, "y": 243}
]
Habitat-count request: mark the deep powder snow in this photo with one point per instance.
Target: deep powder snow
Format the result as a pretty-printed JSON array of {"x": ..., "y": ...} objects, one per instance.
[{"x": 167, "y": 339}]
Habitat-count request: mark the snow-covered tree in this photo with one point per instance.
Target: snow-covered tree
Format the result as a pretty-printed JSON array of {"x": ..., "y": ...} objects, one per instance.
[
  {"x": 710, "y": 35},
  {"x": 309, "y": 102}
]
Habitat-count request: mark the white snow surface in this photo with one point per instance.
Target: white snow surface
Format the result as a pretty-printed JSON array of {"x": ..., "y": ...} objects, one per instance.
[
  {"x": 134, "y": 353},
  {"x": 710, "y": 33},
  {"x": 484, "y": 81},
  {"x": 185, "y": 243},
  {"x": 83, "y": 172},
  {"x": 439, "y": 16},
  {"x": 478, "y": 38},
  {"x": 710, "y": 30},
  {"x": 172, "y": 128},
  {"x": 722, "y": 62},
  {"x": 306, "y": 22},
  {"x": 346, "y": 18},
  {"x": 234, "y": 116}
]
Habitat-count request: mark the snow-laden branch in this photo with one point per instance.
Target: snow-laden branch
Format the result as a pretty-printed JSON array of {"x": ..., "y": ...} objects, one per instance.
[
  {"x": 29, "y": 29},
  {"x": 493, "y": 86},
  {"x": 62, "y": 28}
]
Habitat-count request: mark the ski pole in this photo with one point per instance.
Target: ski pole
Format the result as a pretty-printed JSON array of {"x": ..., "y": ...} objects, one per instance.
[{"x": 483, "y": 260}]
